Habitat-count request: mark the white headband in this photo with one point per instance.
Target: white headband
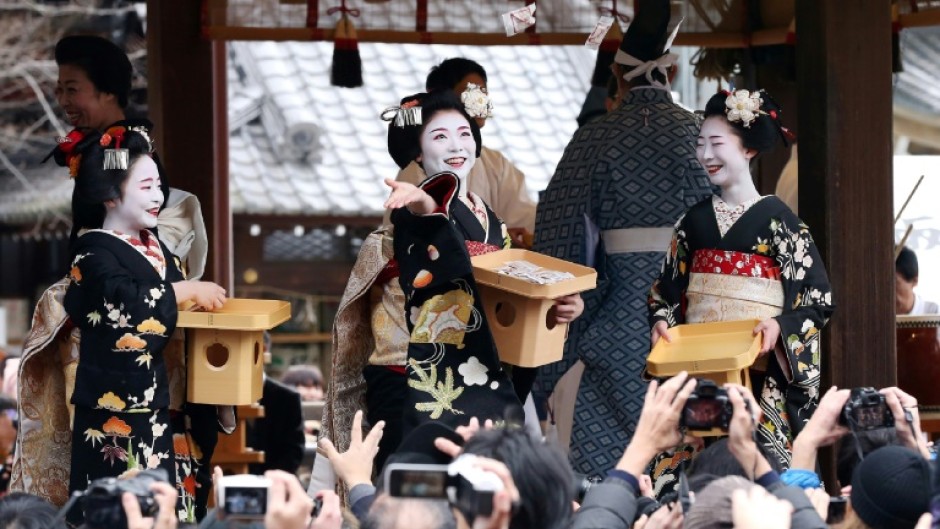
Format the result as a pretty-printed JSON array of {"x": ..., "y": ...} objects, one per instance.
[{"x": 646, "y": 67}]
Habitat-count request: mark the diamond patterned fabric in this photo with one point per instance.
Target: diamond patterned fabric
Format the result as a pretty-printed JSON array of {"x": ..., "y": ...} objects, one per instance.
[{"x": 635, "y": 167}]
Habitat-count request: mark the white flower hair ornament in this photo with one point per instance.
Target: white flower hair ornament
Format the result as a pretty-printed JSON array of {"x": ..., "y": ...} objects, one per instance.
[
  {"x": 744, "y": 106},
  {"x": 476, "y": 102}
]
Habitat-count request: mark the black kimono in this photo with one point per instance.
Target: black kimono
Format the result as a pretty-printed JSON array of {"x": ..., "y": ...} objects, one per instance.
[
  {"x": 121, "y": 298},
  {"x": 716, "y": 276},
  {"x": 453, "y": 367}
]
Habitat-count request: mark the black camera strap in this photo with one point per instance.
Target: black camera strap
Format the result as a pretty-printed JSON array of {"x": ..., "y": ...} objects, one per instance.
[{"x": 853, "y": 428}]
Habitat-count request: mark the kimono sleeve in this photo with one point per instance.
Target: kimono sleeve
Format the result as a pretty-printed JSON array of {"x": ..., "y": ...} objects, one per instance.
[
  {"x": 420, "y": 239},
  {"x": 98, "y": 276},
  {"x": 666, "y": 297},
  {"x": 807, "y": 296}
]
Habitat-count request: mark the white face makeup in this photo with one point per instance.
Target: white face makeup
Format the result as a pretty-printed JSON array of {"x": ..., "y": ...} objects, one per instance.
[
  {"x": 140, "y": 204},
  {"x": 447, "y": 144},
  {"x": 721, "y": 153}
]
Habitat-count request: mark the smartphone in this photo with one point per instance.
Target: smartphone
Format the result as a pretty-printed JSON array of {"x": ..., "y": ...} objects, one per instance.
[
  {"x": 405, "y": 480},
  {"x": 836, "y": 509}
]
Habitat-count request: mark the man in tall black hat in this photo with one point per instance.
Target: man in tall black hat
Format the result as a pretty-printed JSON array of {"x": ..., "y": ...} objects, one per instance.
[{"x": 620, "y": 186}]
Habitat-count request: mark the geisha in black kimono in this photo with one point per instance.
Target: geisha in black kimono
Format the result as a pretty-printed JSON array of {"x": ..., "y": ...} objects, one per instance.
[
  {"x": 123, "y": 294},
  {"x": 740, "y": 256},
  {"x": 452, "y": 366},
  {"x": 411, "y": 343}
]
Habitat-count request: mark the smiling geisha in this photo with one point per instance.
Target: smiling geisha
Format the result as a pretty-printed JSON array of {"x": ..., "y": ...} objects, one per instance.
[
  {"x": 412, "y": 343},
  {"x": 124, "y": 286},
  {"x": 739, "y": 255}
]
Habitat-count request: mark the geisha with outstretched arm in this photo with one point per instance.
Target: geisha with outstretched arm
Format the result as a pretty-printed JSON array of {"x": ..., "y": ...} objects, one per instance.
[
  {"x": 411, "y": 343},
  {"x": 740, "y": 255},
  {"x": 438, "y": 227}
]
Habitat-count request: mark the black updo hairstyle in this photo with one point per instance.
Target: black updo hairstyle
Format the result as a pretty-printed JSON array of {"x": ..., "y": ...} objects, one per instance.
[
  {"x": 105, "y": 64},
  {"x": 95, "y": 185},
  {"x": 62, "y": 158},
  {"x": 404, "y": 143},
  {"x": 446, "y": 75},
  {"x": 763, "y": 133}
]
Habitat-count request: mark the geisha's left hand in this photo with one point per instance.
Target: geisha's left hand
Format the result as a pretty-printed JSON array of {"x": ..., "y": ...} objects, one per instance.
[
  {"x": 771, "y": 330},
  {"x": 568, "y": 308}
]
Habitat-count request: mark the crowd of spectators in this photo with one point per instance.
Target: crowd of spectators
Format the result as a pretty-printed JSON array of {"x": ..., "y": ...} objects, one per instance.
[{"x": 512, "y": 480}]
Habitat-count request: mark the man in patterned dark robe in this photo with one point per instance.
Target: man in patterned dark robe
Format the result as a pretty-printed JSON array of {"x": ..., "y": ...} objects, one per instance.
[{"x": 630, "y": 175}]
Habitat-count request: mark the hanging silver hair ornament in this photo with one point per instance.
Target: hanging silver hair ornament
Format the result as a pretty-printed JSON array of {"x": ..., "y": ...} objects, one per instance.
[
  {"x": 408, "y": 114},
  {"x": 114, "y": 157}
]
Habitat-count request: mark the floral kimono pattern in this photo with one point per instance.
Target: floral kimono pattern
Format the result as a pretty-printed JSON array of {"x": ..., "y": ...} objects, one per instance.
[
  {"x": 121, "y": 298},
  {"x": 453, "y": 367},
  {"x": 770, "y": 232}
]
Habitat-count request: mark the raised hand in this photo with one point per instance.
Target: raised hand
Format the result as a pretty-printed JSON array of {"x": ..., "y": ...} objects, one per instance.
[
  {"x": 501, "y": 515},
  {"x": 822, "y": 429},
  {"x": 903, "y": 407},
  {"x": 658, "y": 427},
  {"x": 451, "y": 448},
  {"x": 165, "y": 495},
  {"x": 741, "y": 431},
  {"x": 354, "y": 466},
  {"x": 408, "y": 195},
  {"x": 757, "y": 509}
]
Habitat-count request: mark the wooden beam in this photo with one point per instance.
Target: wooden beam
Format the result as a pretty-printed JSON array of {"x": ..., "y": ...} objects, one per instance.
[
  {"x": 921, "y": 128},
  {"x": 844, "y": 98},
  {"x": 930, "y": 17},
  {"x": 286, "y": 222},
  {"x": 188, "y": 105},
  {"x": 764, "y": 37}
]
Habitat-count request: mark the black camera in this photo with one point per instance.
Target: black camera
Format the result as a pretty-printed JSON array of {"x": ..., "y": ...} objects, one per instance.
[
  {"x": 582, "y": 484},
  {"x": 467, "y": 487},
  {"x": 707, "y": 407},
  {"x": 102, "y": 499},
  {"x": 836, "y": 512},
  {"x": 866, "y": 409}
]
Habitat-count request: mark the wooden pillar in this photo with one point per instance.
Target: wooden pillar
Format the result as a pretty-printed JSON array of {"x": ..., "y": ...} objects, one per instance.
[
  {"x": 844, "y": 99},
  {"x": 187, "y": 98}
]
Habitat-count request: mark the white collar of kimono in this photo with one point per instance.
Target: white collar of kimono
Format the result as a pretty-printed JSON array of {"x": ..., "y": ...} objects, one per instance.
[{"x": 646, "y": 67}]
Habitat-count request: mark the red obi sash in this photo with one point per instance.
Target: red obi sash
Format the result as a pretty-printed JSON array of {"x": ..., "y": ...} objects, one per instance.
[
  {"x": 727, "y": 262},
  {"x": 475, "y": 248}
]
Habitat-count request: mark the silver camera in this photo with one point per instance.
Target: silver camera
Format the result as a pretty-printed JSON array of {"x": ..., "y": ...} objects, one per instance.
[
  {"x": 468, "y": 488},
  {"x": 243, "y": 496}
]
